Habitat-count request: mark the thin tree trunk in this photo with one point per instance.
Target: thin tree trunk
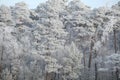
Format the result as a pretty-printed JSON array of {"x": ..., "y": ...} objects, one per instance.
[
  {"x": 2, "y": 51},
  {"x": 84, "y": 58},
  {"x": 115, "y": 41},
  {"x": 90, "y": 60},
  {"x": 112, "y": 73},
  {"x": 54, "y": 76},
  {"x": 117, "y": 74},
  {"x": 96, "y": 72},
  {"x": 90, "y": 56},
  {"x": 96, "y": 68},
  {"x": 1, "y": 62},
  {"x": 115, "y": 47},
  {"x": 46, "y": 75}
]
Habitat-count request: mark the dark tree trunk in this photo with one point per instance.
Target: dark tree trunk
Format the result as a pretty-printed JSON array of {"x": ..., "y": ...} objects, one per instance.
[
  {"x": 117, "y": 74},
  {"x": 90, "y": 60},
  {"x": 112, "y": 73},
  {"x": 96, "y": 68},
  {"x": 46, "y": 75},
  {"x": 84, "y": 58},
  {"x": 54, "y": 76},
  {"x": 1, "y": 63},
  {"x": 96, "y": 72},
  {"x": 115, "y": 41},
  {"x": 90, "y": 56}
]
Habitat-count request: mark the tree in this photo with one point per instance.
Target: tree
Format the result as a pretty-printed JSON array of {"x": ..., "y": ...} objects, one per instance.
[
  {"x": 5, "y": 15},
  {"x": 21, "y": 13},
  {"x": 72, "y": 62}
]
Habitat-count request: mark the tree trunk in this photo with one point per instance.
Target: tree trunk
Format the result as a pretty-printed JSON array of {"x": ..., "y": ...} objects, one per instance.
[
  {"x": 54, "y": 76},
  {"x": 90, "y": 56},
  {"x": 96, "y": 68},
  {"x": 115, "y": 41},
  {"x": 90, "y": 59},
  {"x": 112, "y": 73},
  {"x": 84, "y": 58},
  {"x": 96, "y": 72},
  {"x": 46, "y": 75},
  {"x": 1, "y": 61},
  {"x": 117, "y": 74}
]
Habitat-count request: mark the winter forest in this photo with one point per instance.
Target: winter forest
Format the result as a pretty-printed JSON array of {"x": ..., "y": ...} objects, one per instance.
[{"x": 59, "y": 40}]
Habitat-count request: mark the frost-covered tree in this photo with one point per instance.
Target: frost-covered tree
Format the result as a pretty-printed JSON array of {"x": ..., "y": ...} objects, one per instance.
[
  {"x": 5, "y": 15},
  {"x": 77, "y": 5},
  {"x": 71, "y": 62},
  {"x": 21, "y": 13}
]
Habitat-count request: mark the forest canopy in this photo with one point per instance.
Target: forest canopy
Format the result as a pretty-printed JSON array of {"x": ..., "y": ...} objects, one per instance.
[{"x": 59, "y": 40}]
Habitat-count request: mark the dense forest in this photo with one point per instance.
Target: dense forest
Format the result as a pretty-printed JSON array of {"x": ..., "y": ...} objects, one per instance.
[{"x": 59, "y": 40}]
